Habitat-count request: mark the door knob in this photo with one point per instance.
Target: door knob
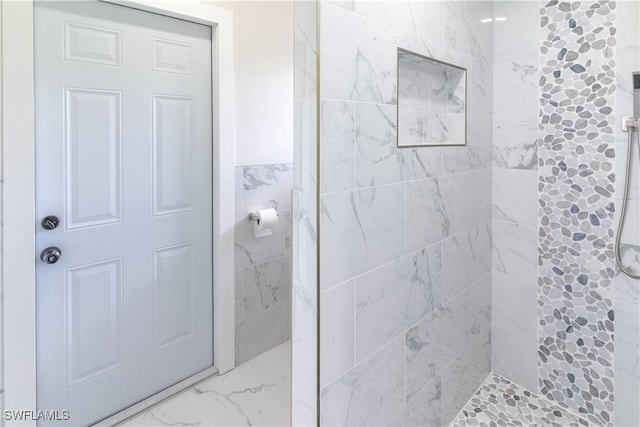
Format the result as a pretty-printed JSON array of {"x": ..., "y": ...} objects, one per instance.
[
  {"x": 51, "y": 255},
  {"x": 50, "y": 222}
]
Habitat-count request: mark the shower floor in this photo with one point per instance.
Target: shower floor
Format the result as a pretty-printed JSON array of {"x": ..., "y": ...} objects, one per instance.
[
  {"x": 255, "y": 393},
  {"x": 499, "y": 402}
]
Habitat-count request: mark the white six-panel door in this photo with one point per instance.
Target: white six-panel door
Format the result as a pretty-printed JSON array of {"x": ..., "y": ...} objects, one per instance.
[{"x": 123, "y": 159}]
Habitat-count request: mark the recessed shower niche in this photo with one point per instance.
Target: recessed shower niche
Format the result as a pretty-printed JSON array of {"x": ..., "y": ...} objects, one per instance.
[{"x": 431, "y": 101}]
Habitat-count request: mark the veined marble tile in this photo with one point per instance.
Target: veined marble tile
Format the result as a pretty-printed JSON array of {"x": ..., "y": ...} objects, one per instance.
[
  {"x": 377, "y": 156},
  {"x": 515, "y": 250},
  {"x": 515, "y": 86},
  {"x": 304, "y": 343},
  {"x": 412, "y": 86},
  {"x": 627, "y": 360},
  {"x": 478, "y": 352},
  {"x": 515, "y": 356},
  {"x": 477, "y": 153},
  {"x": 337, "y": 332},
  {"x": 268, "y": 186},
  {"x": 627, "y": 410},
  {"x": 239, "y": 294},
  {"x": 411, "y": 127},
  {"x": 459, "y": 381},
  {"x": 480, "y": 197},
  {"x": 379, "y": 160},
  {"x": 348, "y": 400},
  {"x": 516, "y": 36},
  {"x": 337, "y": 146},
  {"x": 515, "y": 194},
  {"x": 436, "y": 208},
  {"x": 437, "y": 131},
  {"x": 466, "y": 258},
  {"x": 255, "y": 393},
  {"x": 627, "y": 293},
  {"x": 463, "y": 29},
  {"x": 423, "y": 410},
  {"x": 360, "y": 230},
  {"x": 361, "y": 65},
  {"x": 433, "y": 342},
  {"x": 251, "y": 250},
  {"x": 480, "y": 314},
  {"x": 515, "y": 142},
  {"x": 266, "y": 285},
  {"x": 261, "y": 332},
  {"x": 424, "y": 18},
  {"x": 515, "y": 304},
  {"x": 392, "y": 298}
]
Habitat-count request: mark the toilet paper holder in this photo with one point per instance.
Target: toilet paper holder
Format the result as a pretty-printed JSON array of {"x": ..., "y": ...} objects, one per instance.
[{"x": 253, "y": 216}]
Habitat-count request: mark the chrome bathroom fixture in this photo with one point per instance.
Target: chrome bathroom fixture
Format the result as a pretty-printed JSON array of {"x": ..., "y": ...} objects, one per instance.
[{"x": 632, "y": 126}]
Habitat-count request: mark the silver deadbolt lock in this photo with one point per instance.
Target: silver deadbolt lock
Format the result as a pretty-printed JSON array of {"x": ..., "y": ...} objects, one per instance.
[
  {"x": 51, "y": 255},
  {"x": 50, "y": 222}
]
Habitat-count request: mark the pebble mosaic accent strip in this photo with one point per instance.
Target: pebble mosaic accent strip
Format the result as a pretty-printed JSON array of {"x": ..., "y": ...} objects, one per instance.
[
  {"x": 498, "y": 402},
  {"x": 576, "y": 193}
]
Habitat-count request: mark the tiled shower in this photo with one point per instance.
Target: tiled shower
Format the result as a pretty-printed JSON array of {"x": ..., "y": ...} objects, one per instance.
[{"x": 442, "y": 270}]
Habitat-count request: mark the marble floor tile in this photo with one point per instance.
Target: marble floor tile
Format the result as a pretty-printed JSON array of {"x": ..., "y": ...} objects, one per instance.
[
  {"x": 499, "y": 402},
  {"x": 256, "y": 393}
]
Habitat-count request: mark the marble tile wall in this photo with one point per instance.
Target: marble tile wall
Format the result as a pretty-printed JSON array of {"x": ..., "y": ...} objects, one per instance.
[
  {"x": 515, "y": 191},
  {"x": 263, "y": 265},
  {"x": 405, "y": 234},
  {"x": 577, "y": 202},
  {"x": 304, "y": 260}
]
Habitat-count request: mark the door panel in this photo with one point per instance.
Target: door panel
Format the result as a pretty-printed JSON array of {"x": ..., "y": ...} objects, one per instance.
[
  {"x": 123, "y": 158},
  {"x": 93, "y": 154}
]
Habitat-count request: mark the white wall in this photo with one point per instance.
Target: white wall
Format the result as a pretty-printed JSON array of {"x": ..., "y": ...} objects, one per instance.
[{"x": 263, "y": 45}]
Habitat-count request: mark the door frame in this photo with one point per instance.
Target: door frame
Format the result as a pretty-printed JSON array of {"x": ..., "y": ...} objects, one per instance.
[{"x": 17, "y": 186}]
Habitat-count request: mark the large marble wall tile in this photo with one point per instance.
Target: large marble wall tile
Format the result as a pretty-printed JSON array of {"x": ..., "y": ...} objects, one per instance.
[
  {"x": 515, "y": 250},
  {"x": 377, "y": 155},
  {"x": 424, "y": 18},
  {"x": 627, "y": 293},
  {"x": 239, "y": 295},
  {"x": 466, "y": 258},
  {"x": 251, "y": 250},
  {"x": 259, "y": 333},
  {"x": 349, "y": 400},
  {"x": 480, "y": 197},
  {"x": 514, "y": 304},
  {"x": 515, "y": 143},
  {"x": 515, "y": 84},
  {"x": 459, "y": 381},
  {"x": 362, "y": 63},
  {"x": 433, "y": 342},
  {"x": 515, "y": 195},
  {"x": 478, "y": 352},
  {"x": 361, "y": 230},
  {"x": 337, "y": 335},
  {"x": 516, "y": 36},
  {"x": 267, "y": 186},
  {"x": 424, "y": 409},
  {"x": 480, "y": 306},
  {"x": 337, "y": 139},
  {"x": 266, "y": 285},
  {"x": 627, "y": 360},
  {"x": 477, "y": 153},
  {"x": 436, "y": 208},
  {"x": 627, "y": 411},
  {"x": 378, "y": 160},
  {"x": 463, "y": 29},
  {"x": 392, "y": 298},
  {"x": 514, "y": 356}
]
